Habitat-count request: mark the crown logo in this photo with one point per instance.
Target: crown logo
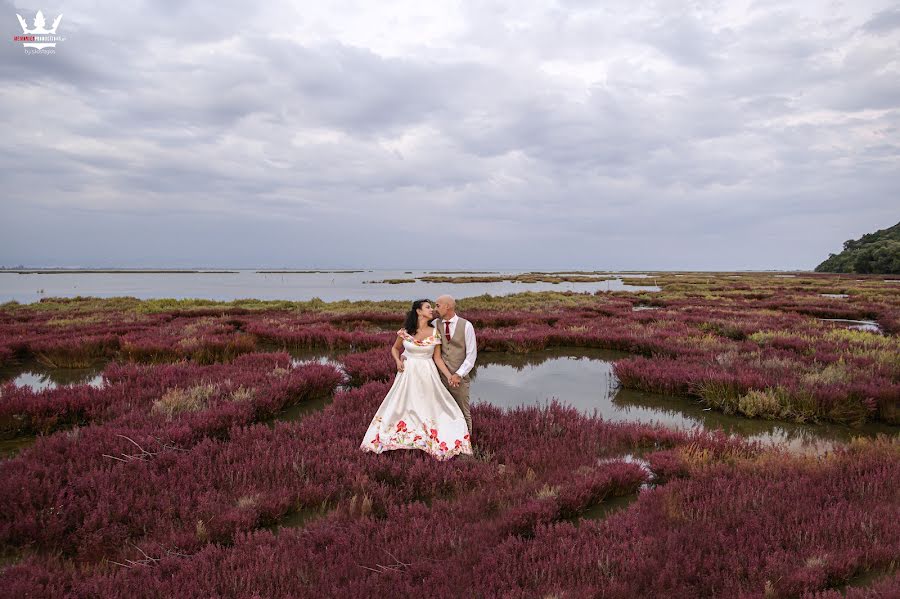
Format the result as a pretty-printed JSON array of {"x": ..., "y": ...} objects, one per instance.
[
  {"x": 39, "y": 29},
  {"x": 39, "y": 24}
]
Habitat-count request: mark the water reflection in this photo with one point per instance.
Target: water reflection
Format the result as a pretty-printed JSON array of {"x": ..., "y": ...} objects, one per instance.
[
  {"x": 300, "y": 355},
  {"x": 41, "y": 378},
  {"x": 271, "y": 285},
  {"x": 299, "y": 410},
  {"x": 583, "y": 378},
  {"x": 326, "y": 360},
  {"x": 580, "y": 377},
  {"x": 11, "y": 447},
  {"x": 601, "y": 510},
  {"x": 298, "y": 518},
  {"x": 859, "y": 325},
  {"x": 637, "y": 458}
]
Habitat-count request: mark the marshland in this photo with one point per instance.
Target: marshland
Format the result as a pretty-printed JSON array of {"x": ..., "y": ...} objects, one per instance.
[{"x": 724, "y": 434}]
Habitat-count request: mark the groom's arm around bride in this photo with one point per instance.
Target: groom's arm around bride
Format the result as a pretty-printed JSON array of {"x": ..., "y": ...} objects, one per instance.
[{"x": 458, "y": 350}]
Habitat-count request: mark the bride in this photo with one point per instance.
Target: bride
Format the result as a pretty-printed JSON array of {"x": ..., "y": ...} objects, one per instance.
[{"x": 418, "y": 412}]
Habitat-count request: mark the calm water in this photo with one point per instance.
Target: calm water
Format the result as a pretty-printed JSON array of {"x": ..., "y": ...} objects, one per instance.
[
  {"x": 584, "y": 379},
  {"x": 239, "y": 284},
  {"x": 579, "y": 377}
]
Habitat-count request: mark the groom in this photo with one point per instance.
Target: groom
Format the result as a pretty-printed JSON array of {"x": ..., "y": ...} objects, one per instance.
[{"x": 458, "y": 350}]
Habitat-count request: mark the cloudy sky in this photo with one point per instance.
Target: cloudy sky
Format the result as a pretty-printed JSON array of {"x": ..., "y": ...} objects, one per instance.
[{"x": 711, "y": 135}]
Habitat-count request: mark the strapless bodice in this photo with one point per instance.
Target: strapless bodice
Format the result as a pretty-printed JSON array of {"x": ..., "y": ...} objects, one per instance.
[
  {"x": 418, "y": 349},
  {"x": 418, "y": 352}
]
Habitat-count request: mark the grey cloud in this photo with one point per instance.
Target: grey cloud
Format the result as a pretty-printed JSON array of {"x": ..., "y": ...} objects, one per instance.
[
  {"x": 884, "y": 21},
  {"x": 685, "y": 40},
  {"x": 687, "y": 131}
]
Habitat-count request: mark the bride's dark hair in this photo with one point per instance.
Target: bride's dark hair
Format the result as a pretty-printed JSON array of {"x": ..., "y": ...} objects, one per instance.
[{"x": 412, "y": 317}]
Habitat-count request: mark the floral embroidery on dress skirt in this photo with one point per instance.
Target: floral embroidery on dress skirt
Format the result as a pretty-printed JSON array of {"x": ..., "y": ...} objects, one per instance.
[{"x": 401, "y": 437}]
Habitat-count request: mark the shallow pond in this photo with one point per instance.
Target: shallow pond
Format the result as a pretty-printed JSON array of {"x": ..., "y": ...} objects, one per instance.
[
  {"x": 41, "y": 378},
  {"x": 10, "y": 447},
  {"x": 608, "y": 506},
  {"x": 583, "y": 378},
  {"x": 298, "y": 518},
  {"x": 580, "y": 377},
  {"x": 859, "y": 325}
]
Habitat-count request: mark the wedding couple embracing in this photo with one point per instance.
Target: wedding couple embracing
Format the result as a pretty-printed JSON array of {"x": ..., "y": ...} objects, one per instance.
[{"x": 427, "y": 407}]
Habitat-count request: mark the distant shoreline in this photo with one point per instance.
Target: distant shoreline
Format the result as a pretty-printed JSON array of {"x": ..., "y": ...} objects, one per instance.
[
  {"x": 27, "y": 271},
  {"x": 101, "y": 271},
  {"x": 54, "y": 271}
]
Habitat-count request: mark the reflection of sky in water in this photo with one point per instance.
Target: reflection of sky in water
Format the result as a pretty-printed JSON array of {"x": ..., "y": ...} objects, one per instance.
[
  {"x": 581, "y": 378},
  {"x": 860, "y": 325},
  {"x": 40, "y": 381},
  {"x": 56, "y": 377},
  {"x": 582, "y": 383},
  {"x": 589, "y": 385},
  {"x": 325, "y": 360}
]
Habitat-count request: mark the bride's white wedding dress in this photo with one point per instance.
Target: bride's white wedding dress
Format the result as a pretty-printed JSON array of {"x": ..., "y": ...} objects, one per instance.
[{"x": 418, "y": 412}]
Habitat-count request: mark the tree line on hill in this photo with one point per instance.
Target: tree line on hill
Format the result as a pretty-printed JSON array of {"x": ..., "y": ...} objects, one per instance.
[{"x": 877, "y": 252}]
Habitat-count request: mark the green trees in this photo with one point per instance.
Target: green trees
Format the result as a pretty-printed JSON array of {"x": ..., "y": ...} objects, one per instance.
[{"x": 877, "y": 252}]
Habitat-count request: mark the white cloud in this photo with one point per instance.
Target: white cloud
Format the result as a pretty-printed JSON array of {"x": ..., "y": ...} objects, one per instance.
[{"x": 626, "y": 134}]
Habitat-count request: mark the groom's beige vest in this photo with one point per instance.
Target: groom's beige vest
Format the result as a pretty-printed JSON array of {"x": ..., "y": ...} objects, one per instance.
[{"x": 453, "y": 352}]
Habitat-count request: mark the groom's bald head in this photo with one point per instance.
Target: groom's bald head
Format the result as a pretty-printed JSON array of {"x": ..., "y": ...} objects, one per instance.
[{"x": 446, "y": 306}]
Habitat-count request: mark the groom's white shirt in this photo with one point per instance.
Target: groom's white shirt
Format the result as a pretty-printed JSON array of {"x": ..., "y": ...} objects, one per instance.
[{"x": 471, "y": 347}]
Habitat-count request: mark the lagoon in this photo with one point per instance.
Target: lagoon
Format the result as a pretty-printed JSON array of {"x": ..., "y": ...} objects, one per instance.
[{"x": 267, "y": 285}]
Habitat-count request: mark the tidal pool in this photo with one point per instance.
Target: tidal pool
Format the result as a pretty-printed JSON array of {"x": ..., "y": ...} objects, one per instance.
[
  {"x": 859, "y": 325},
  {"x": 584, "y": 379},
  {"x": 40, "y": 378},
  {"x": 10, "y": 447},
  {"x": 580, "y": 377},
  {"x": 608, "y": 506}
]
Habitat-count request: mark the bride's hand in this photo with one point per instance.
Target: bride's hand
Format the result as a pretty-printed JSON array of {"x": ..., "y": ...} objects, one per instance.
[{"x": 400, "y": 365}]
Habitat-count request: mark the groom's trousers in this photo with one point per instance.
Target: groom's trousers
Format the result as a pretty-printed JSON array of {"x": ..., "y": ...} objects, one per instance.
[{"x": 461, "y": 395}]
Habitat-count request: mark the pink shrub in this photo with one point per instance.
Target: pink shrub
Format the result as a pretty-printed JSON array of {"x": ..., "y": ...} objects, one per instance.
[
  {"x": 6, "y": 355},
  {"x": 726, "y": 532},
  {"x": 68, "y": 352},
  {"x": 148, "y": 487},
  {"x": 318, "y": 334},
  {"x": 129, "y": 387},
  {"x": 372, "y": 365},
  {"x": 780, "y": 525},
  {"x": 202, "y": 339}
]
